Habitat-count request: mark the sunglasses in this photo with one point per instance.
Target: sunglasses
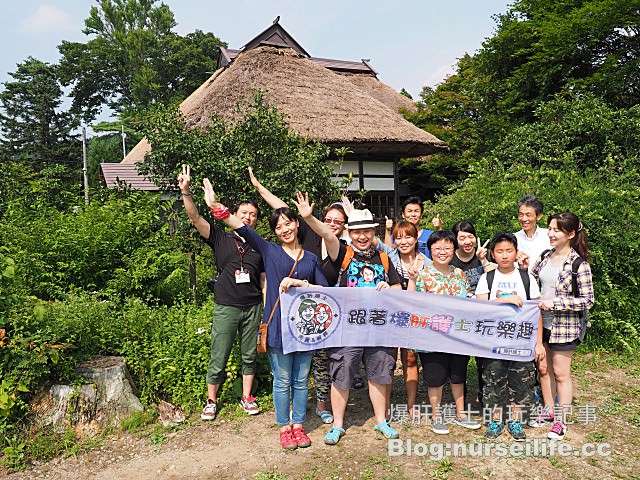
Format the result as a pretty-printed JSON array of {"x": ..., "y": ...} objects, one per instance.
[{"x": 335, "y": 221}]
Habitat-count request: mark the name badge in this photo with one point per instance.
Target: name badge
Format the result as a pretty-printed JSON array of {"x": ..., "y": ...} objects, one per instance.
[{"x": 242, "y": 276}]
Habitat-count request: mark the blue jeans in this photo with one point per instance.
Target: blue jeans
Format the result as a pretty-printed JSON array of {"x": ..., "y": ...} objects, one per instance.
[{"x": 290, "y": 371}]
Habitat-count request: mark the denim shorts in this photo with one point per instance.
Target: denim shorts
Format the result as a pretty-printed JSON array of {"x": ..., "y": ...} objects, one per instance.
[
  {"x": 344, "y": 363},
  {"x": 559, "y": 347}
]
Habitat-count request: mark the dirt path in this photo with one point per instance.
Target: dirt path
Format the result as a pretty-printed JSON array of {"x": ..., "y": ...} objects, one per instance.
[{"x": 239, "y": 447}]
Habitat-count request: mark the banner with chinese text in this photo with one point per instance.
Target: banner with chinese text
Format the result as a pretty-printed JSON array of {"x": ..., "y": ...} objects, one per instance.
[{"x": 314, "y": 318}]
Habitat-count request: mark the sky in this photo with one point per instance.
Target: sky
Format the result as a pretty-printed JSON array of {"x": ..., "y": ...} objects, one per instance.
[{"x": 411, "y": 43}]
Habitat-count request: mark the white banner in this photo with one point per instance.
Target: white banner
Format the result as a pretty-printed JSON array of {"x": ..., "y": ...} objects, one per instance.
[{"x": 314, "y": 318}]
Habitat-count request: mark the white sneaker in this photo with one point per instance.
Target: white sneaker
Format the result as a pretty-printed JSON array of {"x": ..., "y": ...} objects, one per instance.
[
  {"x": 467, "y": 422},
  {"x": 210, "y": 410}
]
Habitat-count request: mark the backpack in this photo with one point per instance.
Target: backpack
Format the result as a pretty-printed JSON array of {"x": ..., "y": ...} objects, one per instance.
[
  {"x": 348, "y": 256},
  {"x": 524, "y": 274},
  {"x": 584, "y": 314}
]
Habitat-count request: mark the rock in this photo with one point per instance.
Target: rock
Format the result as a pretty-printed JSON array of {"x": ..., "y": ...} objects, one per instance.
[
  {"x": 170, "y": 415},
  {"x": 88, "y": 408}
]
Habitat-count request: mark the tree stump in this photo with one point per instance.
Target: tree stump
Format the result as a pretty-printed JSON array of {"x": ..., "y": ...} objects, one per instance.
[{"x": 89, "y": 408}]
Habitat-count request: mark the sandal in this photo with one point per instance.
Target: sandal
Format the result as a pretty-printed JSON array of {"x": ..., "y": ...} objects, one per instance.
[
  {"x": 334, "y": 435},
  {"x": 385, "y": 429},
  {"x": 325, "y": 415}
]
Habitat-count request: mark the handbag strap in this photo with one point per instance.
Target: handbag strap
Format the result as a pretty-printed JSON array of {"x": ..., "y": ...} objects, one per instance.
[{"x": 275, "y": 305}]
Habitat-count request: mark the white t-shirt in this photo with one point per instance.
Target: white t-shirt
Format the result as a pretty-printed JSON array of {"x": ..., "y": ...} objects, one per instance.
[
  {"x": 507, "y": 284},
  {"x": 533, "y": 246}
]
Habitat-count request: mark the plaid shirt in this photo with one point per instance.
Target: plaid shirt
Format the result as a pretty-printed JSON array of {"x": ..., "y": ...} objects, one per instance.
[{"x": 566, "y": 308}]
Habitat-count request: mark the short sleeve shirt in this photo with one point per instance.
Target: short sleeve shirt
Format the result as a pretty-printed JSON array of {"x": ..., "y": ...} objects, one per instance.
[
  {"x": 508, "y": 284},
  {"x": 533, "y": 246},
  {"x": 472, "y": 269},
  {"x": 366, "y": 272},
  {"x": 455, "y": 284},
  {"x": 234, "y": 254}
]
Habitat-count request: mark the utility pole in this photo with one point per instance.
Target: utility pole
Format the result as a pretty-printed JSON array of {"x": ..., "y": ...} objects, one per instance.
[
  {"x": 85, "y": 170},
  {"x": 124, "y": 147}
]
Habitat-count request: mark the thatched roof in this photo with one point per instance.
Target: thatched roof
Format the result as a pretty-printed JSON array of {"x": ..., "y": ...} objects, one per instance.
[
  {"x": 320, "y": 104},
  {"x": 380, "y": 91}
]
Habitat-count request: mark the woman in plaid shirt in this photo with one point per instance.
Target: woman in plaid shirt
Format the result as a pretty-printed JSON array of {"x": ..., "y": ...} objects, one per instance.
[{"x": 562, "y": 311}]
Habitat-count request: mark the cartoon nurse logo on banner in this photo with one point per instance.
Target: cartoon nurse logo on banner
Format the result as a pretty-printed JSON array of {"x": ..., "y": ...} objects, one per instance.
[{"x": 311, "y": 317}]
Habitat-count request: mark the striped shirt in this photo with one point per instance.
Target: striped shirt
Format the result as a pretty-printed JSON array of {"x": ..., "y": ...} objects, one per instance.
[{"x": 566, "y": 308}]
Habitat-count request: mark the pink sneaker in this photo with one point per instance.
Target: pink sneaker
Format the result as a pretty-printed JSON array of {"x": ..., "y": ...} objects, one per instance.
[{"x": 558, "y": 431}]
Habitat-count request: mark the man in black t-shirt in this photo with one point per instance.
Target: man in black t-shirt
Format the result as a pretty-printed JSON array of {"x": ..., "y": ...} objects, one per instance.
[{"x": 237, "y": 298}]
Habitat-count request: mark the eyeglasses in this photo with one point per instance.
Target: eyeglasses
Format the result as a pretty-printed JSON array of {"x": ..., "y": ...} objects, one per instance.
[
  {"x": 443, "y": 249},
  {"x": 335, "y": 221}
]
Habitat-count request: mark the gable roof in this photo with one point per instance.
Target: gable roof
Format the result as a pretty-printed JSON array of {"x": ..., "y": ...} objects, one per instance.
[
  {"x": 116, "y": 174},
  {"x": 341, "y": 103}
]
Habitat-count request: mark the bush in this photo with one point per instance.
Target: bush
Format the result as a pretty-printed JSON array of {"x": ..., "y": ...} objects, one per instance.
[
  {"x": 166, "y": 348},
  {"x": 603, "y": 195},
  {"x": 57, "y": 252}
]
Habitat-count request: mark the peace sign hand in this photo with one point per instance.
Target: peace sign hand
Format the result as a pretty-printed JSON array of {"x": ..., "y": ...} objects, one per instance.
[{"x": 482, "y": 251}]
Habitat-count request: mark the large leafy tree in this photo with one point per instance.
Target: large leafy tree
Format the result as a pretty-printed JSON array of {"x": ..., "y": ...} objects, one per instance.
[
  {"x": 581, "y": 155},
  {"x": 134, "y": 59},
  {"x": 34, "y": 130},
  {"x": 281, "y": 159},
  {"x": 540, "y": 50}
]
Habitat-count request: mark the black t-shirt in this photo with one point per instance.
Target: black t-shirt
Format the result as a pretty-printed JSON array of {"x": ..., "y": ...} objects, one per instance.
[
  {"x": 312, "y": 242},
  {"x": 473, "y": 269},
  {"x": 366, "y": 272},
  {"x": 232, "y": 253}
]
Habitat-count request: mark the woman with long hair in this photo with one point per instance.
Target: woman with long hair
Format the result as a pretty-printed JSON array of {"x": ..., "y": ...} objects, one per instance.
[
  {"x": 286, "y": 265},
  {"x": 566, "y": 288}
]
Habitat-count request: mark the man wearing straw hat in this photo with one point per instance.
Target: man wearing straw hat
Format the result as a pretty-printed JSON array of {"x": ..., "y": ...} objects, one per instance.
[{"x": 358, "y": 261}]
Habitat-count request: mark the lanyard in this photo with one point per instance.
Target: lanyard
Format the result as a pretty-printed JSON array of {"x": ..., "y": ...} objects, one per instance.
[{"x": 241, "y": 253}]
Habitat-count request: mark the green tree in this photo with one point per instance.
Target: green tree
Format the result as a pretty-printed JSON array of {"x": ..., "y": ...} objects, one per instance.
[
  {"x": 540, "y": 50},
  {"x": 579, "y": 155},
  {"x": 544, "y": 48},
  {"x": 135, "y": 59},
  {"x": 282, "y": 160},
  {"x": 33, "y": 130}
]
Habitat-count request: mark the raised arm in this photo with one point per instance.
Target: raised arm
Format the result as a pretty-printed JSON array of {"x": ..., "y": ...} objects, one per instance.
[
  {"x": 273, "y": 201},
  {"x": 184, "y": 182},
  {"x": 306, "y": 212},
  {"x": 220, "y": 212}
]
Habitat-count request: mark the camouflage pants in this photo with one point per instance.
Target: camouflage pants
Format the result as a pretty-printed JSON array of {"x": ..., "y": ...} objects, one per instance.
[
  {"x": 320, "y": 372},
  {"x": 507, "y": 381}
]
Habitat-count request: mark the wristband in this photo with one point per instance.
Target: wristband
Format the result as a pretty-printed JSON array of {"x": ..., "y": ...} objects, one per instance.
[
  {"x": 188, "y": 194},
  {"x": 221, "y": 212}
]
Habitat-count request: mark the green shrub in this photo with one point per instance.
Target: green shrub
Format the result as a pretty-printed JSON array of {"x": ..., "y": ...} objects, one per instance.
[{"x": 604, "y": 196}]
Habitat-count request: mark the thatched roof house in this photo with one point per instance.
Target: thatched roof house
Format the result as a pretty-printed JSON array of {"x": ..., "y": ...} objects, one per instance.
[{"x": 340, "y": 103}]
